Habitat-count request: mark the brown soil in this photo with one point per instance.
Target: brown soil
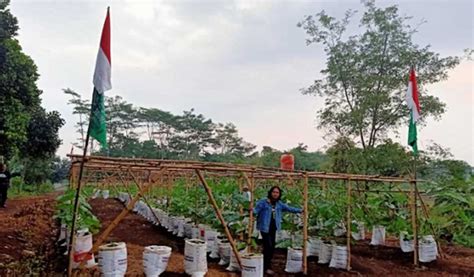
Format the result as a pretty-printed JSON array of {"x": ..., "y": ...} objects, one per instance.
[
  {"x": 366, "y": 260},
  {"x": 28, "y": 234}
]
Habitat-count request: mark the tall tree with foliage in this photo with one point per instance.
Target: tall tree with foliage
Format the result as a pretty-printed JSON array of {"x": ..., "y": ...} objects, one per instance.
[
  {"x": 364, "y": 82},
  {"x": 81, "y": 107},
  {"x": 194, "y": 136},
  {"x": 227, "y": 141},
  {"x": 27, "y": 130},
  {"x": 19, "y": 95}
]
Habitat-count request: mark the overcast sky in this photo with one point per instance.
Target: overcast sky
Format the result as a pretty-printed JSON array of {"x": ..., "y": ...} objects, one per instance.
[{"x": 233, "y": 61}]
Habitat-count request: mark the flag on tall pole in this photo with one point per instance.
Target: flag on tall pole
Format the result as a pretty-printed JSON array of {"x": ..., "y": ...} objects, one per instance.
[
  {"x": 96, "y": 128},
  {"x": 102, "y": 83},
  {"x": 415, "y": 111}
]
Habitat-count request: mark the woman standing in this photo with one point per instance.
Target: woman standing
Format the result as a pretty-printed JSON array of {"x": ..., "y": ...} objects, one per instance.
[{"x": 269, "y": 215}]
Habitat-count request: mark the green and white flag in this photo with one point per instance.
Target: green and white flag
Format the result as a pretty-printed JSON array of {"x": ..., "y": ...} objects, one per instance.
[
  {"x": 102, "y": 83},
  {"x": 415, "y": 111}
]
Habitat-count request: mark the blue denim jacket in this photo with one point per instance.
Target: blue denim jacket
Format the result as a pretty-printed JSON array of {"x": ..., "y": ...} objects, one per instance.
[{"x": 263, "y": 210}]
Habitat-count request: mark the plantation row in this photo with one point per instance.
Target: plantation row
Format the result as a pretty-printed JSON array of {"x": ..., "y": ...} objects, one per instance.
[{"x": 185, "y": 211}]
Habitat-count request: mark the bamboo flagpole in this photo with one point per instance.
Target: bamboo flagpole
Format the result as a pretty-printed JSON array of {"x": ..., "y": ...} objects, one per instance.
[
  {"x": 349, "y": 225},
  {"x": 96, "y": 127},
  {"x": 415, "y": 211},
  {"x": 72, "y": 237},
  {"x": 415, "y": 114}
]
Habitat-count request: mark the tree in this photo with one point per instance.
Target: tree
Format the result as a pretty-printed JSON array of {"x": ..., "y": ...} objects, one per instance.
[
  {"x": 81, "y": 107},
  {"x": 160, "y": 127},
  {"x": 60, "y": 169},
  {"x": 194, "y": 136},
  {"x": 42, "y": 134},
  {"x": 387, "y": 158},
  {"x": 19, "y": 94},
  {"x": 8, "y": 23},
  {"x": 365, "y": 78},
  {"x": 121, "y": 118},
  {"x": 227, "y": 141},
  {"x": 25, "y": 127},
  {"x": 305, "y": 160}
]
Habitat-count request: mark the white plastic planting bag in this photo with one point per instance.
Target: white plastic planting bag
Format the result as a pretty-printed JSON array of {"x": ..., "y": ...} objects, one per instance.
[
  {"x": 378, "y": 235},
  {"x": 148, "y": 214},
  {"x": 96, "y": 193},
  {"x": 339, "y": 257},
  {"x": 428, "y": 250},
  {"x": 105, "y": 194},
  {"x": 155, "y": 260},
  {"x": 122, "y": 196},
  {"x": 164, "y": 221},
  {"x": 360, "y": 233},
  {"x": 82, "y": 246},
  {"x": 156, "y": 219},
  {"x": 313, "y": 247},
  {"x": 63, "y": 231},
  {"x": 405, "y": 244},
  {"x": 234, "y": 264},
  {"x": 195, "y": 262},
  {"x": 180, "y": 233},
  {"x": 325, "y": 254},
  {"x": 294, "y": 260},
  {"x": 135, "y": 208},
  {"x": 210, "y": 239},
  {"x": 176, "y": 225},
  {"x": 215, "y": 247},
  {"x": 170, "y": 226},
  {"x": 252, "y": 265},
  {"x": 127, "y": 199},
  {"x": 113, "y": 259},
  {"x": 224, "y": 251},
  {"x": 188, "y": 227},
  {"x": 195, "y": 232},
  {"x": 339, "y": 230}
]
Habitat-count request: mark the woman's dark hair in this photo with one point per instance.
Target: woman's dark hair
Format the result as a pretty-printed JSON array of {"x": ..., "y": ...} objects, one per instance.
[{"x": 269, "y": 195}]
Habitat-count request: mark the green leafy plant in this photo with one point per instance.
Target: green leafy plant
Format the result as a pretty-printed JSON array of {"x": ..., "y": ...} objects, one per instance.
[{"x": 85, "y": 217}]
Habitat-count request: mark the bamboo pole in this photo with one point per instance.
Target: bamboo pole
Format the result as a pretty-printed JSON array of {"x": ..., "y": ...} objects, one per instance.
[
  {"x": 76, "y": 206},
  {"x": 427, "y": 214},
  {"x": 219, "y": 216},
  {"x": 291, "y": 182},
  {"x": 348, "y": 229},
  {"x": 125, "y": 184},
  {"x": 250, "y": 184},
  {"x": 241, "y": 209},
  {"x": 145, "y": 198},
  {"x": 414, "y": 223},
  {"x": 119, "y": 218},
  {"x": 305, "y": 225}
]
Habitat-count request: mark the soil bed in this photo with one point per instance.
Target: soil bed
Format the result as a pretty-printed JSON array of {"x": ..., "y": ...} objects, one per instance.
[
  {"x": 366, "y": 260},
  {"x": 28, "y": 235}
]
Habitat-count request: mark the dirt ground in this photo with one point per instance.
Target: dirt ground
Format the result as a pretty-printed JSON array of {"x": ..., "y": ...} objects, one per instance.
[
  {"x": 366, "y": 260},
  {"x": 28, "y": 234}
]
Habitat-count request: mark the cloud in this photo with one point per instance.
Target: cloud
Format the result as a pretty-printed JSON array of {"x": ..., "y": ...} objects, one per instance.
[{"x": 233, "y": 61}]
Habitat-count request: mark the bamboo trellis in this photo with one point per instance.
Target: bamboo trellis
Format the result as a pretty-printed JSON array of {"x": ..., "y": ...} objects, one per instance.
[{"x": 146, "y": 173}]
